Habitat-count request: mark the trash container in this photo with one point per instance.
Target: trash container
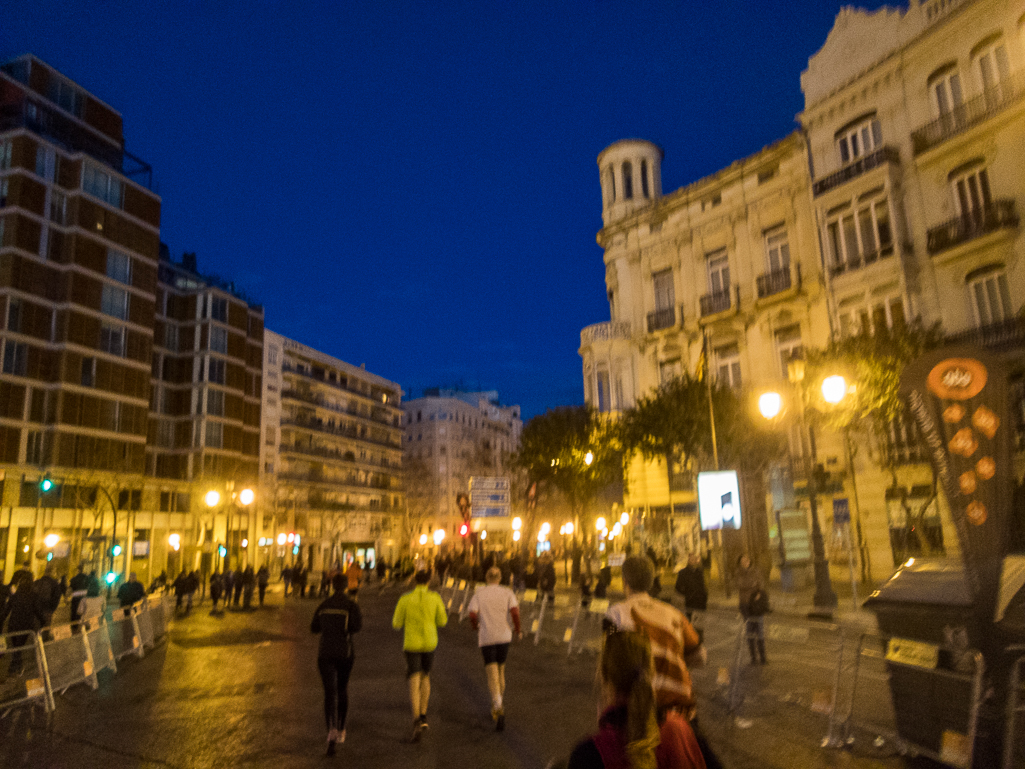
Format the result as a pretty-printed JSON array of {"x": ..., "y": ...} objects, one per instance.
[{"x": 928, "y": 605}]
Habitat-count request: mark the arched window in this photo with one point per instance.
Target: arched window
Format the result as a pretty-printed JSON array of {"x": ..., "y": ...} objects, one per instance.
[
  {"x": 990, "y": 295},
  {"x": 612, "y": 184},
  {"x": 945, "y": 88},
  {"x": 990, "y": 61},
  {"x": 628, "y": 181},
  {"x": 644, "y": 179},
  {"x": 859, "y": 137}
]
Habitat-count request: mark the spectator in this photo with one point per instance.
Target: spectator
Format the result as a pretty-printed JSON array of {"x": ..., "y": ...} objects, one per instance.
[
  {"x": 248, "y": 587},
  {"x": 354, "y": 575},
  {"x": 215, "y": 589},
  {"x": 628, "y": 733},
  {"x": 753, "y": 605},
  {"x": 79, "y": 584},
  {"x": 131, "y": 592},
  {"x": 262, "y": 579},
  {"x": 546, "y": 575},
  {"x": 46, "y": 594},
  {"x": 690, "y": 585}
]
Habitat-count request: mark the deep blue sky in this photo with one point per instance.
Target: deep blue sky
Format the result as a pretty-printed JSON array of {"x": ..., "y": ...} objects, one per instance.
[{"x": 413, "y": 185}]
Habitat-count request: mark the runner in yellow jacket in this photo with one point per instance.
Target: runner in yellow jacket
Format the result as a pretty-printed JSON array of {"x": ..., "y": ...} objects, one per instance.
[{"x": 419, "y": 613}]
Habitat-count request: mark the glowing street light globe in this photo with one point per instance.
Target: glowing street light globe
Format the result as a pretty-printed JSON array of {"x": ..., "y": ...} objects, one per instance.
[
  {"x": 617, "y": 529},
  {"x": 245, "y": 543},
  {"x": 545, "y": 528},
  {"x": 51, "y": 540},
  {"x": 484, "y": 534},
  {"x": 624, "y": 518},
  {"x": 770, "y": 404},
  {"x": 834, "y": 388},
  {"x": 439, "y": 536},
  {"x": 569, "y": 527},
  {"x": 175, "y": 541},
  {"x": 246, "y": 496},
  {"x": 588, "y": 458},
  {"x": 423, "y": 539},
  {"x": 212, "y": 498},
  {"x": 599, "y": 524},
  {"x": 282, "y": 539},
  {"x": 516, "y": 536},
  {"x": 517, "y": 523}
]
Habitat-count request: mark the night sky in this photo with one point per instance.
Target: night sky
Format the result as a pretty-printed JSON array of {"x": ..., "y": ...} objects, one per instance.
[{"x": 413, "y": 186}]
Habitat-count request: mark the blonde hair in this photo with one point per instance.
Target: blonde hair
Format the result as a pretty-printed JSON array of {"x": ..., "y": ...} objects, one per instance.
[{"x": 626, "y": 666}]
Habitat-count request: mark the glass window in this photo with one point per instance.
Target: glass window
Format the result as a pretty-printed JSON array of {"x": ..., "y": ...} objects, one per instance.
[
  {"x": 777, "y": 249},
  {"x": 718, "y": 272},
  {"x": 664, "y": 291},
  {"x": 119, "y": 266},
  {"x": 628, "y": 181},
  {"x": 946, "y": 92},
  {"x": 727, "y": 366},
  {"x": 644, "y": 179},
  {"x": 112, "y": 339},
  {"x": 214, "y": 435},
  {"x": 215, "y": 371},
  {"x": 219, "y": 309},
  {"x": 668, "y": 370},
  {"x": 993, "y": 66},
  {"x": 215, "y": 403},
  {"x": 870, "y": 317},
  {"x": 603, "y": 404},
  {"x": 58, "y": 207},
  {"x": 102, "y": 185},
  {"x": 5, "y": 154},
  {"x": 218, "y": 339},
  {"x": 15, "y": 357},
  {"x": 46, "y": 163},
  {"x": 788, "y": 346},
  {"x": 971, "y": 193},
  {"x": 13, "y": 314},
  {"x": 860, "y": 236},
  {"x": 88, "y": 372},
  {"x": 65, "y": 96},
  {"x": 991, "y": 299},
  {"x": 859, "y": 139},
  {"x": 114, "y": 302},
  {"x": 171, "y": 337}
]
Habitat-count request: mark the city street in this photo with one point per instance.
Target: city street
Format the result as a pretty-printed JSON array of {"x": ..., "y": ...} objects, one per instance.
[{"x": 241, "y": 689}]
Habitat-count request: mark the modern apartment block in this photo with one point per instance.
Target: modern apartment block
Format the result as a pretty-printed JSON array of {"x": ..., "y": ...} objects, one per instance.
[
  {"x": 451, "y": 436},
  {"x": 331, "y": 458},
  {"x": 85, "y": 448},
  {"x": 897, "y": 200}
]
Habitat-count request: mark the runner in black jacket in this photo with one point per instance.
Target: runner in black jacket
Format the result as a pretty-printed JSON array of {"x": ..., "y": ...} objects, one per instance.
[{"x": 336, "y": 619}]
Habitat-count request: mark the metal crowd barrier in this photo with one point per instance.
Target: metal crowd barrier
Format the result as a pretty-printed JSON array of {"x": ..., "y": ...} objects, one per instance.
[
  {"x": 1014, "y": 736},
  {"x": 812, "y": 683},
  {"x": 586, "y": 631},
  {"x": 123, "y": 628},
  {"x": 26, "y": 684},
  {"x": 68, "y": 650},
  {"x": 921, "y": 709}
]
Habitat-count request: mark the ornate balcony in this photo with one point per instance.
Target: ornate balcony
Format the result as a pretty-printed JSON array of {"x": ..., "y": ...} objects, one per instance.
[
  {"x": 853, "y": 170},
  {"x": 1009, "y": 333},
  {"x": 777, "y": 282},
  {"x": 660, "y": 319},
  {"x": 608, "y": 331},
  {"x": 715, "y": 303},
  {"x": 971, "y": 113},
  {"x": 999, "y": 215}
]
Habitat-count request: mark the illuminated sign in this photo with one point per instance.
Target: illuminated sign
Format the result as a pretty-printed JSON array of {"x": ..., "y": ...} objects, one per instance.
[{"x": 719, "y": 500}]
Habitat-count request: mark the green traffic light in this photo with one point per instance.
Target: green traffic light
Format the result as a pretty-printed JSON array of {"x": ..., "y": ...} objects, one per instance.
[
  {"x": 222, "y": 551},
  {"x": 111, "y": 578},
  {"x": 46, "y": 484},
  {"x": 116, "y": 550}
]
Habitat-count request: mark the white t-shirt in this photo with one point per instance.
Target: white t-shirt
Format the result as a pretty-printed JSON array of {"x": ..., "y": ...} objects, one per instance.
[{"x": 492, "y": 604}]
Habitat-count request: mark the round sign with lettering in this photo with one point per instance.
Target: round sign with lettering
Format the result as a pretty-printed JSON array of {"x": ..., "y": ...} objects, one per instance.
[{"x": 957, "y": 379}]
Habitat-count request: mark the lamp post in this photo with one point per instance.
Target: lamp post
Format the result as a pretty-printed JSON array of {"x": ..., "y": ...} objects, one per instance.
[
  {"x": 770, "y": 405},
  {"x": 241, "y": 500}
]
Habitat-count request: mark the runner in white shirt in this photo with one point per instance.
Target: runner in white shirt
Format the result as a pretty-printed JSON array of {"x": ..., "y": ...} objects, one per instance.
[{"x": 495, "y": 614}]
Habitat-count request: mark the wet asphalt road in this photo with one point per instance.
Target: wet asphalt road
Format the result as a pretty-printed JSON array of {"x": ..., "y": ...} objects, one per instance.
[{"x": 241, "y": 689}]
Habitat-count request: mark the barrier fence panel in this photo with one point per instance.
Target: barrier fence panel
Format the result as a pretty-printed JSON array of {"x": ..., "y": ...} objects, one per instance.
[
  {"x": 900, "y": 694},
  {"x": 809, "y": 681},
  {"x": 144, "y": 624},
  {"x": 450, "y": 586},
  {"x": 586, "y": 631},
  {"x": 69, "y": 656},
  {"x": 1014, "y": 736},
  {"x": 471, "y": 588},
  {"x": 559, "y": 613},
  {"x": 124, "y": 633},
  {"x": 98, "y": 637},
  {"x": 23, "y": 679}
]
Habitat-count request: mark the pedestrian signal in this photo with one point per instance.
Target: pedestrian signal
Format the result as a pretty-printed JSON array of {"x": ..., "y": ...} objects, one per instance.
[{"x": 222, "y": 551}]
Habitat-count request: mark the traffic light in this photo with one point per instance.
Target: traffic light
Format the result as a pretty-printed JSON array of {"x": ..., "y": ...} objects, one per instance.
[
  {"x": 111, "y": 577},
  {"x": 115, "y": 551},
  {"x": 222, "y": 551},
  {"x": 45, "y": 485},
  {"x": 464, "y": 529}
]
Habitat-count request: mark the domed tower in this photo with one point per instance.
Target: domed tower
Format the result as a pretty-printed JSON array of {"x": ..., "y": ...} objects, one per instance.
[{"x": 631, "y": 177}]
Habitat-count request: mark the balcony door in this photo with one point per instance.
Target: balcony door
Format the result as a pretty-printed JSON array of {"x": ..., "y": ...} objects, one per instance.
[
  {"x": 718, "y": 273},
  {"x": 971, "y": 193}
]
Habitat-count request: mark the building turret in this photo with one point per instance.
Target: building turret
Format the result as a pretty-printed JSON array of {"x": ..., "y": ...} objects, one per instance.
[{"x": 631, "y": 177}]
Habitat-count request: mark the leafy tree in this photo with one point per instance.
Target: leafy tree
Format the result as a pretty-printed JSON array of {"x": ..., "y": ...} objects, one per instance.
[
  {"x": 873, "y": 364},
  {"x": 553, "y": 451}
]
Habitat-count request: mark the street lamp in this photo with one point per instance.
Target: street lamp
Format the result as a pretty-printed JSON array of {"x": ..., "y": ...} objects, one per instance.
[
  {"x": 771, "y": 405},
  {"x": 439, "y": 536},
  {"x": 423, "y": 539},
  {"x": 588, "y": 458},
  {"x": 599, "y": 524}
]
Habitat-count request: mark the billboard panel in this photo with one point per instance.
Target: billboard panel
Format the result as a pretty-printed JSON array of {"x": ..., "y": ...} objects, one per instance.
[{"x": 719, "y": 500}]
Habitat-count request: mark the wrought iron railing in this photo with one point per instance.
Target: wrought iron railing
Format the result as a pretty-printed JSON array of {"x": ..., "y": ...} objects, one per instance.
[
  {"x": 853, "y": 170},
  {"x": 1008, "y": 333},
  {"x": 660, "y": 319},
  {"x": 971, "y": 113},
  {"x": 1000, "y": 214},
  {"x": 774, "y": 282},
  {"x": 857, "y": 261},
  {"x": 714, "y": 303},
  {"x": 604, "y": 332}
]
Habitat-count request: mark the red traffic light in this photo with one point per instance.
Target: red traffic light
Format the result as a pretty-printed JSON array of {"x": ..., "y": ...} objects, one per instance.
[{"x": 464, "y": 530}]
